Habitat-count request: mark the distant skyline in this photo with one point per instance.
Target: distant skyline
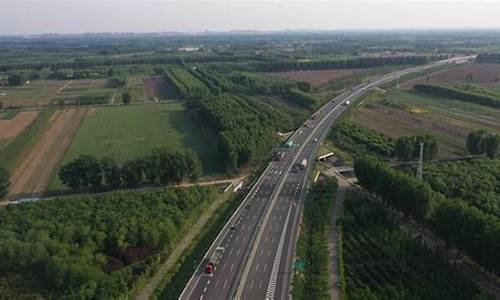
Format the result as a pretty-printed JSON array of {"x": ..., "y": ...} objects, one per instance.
[{"x": 80, "y": 16}]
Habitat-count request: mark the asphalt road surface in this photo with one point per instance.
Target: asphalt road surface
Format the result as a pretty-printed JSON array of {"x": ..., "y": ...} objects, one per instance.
[{"x": 259, "y": 238}]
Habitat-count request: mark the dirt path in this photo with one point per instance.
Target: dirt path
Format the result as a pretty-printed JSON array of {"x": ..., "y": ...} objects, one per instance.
[
  {"x": 64, "y": 86},
  {"x": 338, "y": 208},
  {"x": 33, "y": 174},
  {"x": 113, "y": 98},
  {"x": 149, "y": 289}
]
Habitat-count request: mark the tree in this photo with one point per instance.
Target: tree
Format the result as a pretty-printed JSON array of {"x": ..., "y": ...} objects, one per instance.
[
  {"x": 15, "y": 79},
  {"x": 111, "y": 172},
  {"x": 491, "y": 144},
  {"x": 82, "y": 172},
  {"x": 475, "y": 143},
  {"x": 126, "y": 98},
  {"x": 133, "y": 172},
  {"x": 4, "y": 182},
  {"x": 408, "y": 148},
  {"x": 481, "y": 142},
  {"x": 404, "y": 148},
  {"x": 430, "y": 147}
]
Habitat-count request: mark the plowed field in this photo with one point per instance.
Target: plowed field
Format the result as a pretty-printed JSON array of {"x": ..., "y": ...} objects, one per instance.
[{"x": 32, "y": 175}]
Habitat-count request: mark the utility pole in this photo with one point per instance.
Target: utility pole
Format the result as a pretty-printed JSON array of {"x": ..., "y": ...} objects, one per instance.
[{"x": 420, "y": 162}]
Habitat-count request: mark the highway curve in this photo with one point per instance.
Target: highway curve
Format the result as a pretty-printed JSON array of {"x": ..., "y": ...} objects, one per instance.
[{"x": 259, "y": 238}]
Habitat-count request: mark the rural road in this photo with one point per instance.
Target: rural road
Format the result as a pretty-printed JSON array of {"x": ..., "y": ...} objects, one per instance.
[{"x": 259, "y": 238}]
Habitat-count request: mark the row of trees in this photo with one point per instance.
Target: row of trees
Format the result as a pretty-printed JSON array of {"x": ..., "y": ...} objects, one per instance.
[
  {"x": 313, "y": 251},
  {"x": 460, "y": 94},
  {"x": 186, "y": 85},
  {"x": 91, "y": 62},
  {"x": 464, "y": 226},
  {"x": 63, "y": 248},
  {"x": 481, "y": 142},
  {"x": 252, "y": 84},
  {"x": 488, "y": 58},
  {"x": 245, "y": 133},
  {"x": 379, "y": 260},
  {"x": 160, "y": 167},
  {"x": 350, "y": 63}
]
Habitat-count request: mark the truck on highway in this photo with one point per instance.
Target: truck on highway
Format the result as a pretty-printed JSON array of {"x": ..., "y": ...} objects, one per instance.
[
  {"x": 303, "y": 164},
  {"x": 214, "y": 259}
]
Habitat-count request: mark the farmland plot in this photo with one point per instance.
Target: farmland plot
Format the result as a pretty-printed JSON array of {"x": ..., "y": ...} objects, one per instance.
[
  {"x": 31, "y": 95},
  {"x": 317, "y": 77},
  {"x": 127, "y": 132},
  {"x": 10, "y": 128},
  {"x": 398, "y": 113},
  {"x": 33, "y": 174},
  {"x": 482, "y": 74},
  {"x": 157, "y": 88}
]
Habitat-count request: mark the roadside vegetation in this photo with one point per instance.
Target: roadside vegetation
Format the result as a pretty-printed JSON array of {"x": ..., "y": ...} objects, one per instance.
[
  {"x": 173, "y": 284},
  {"x": 93, "y": 247},
  {"x": 382, "y": 261},
  {"x": 311, "y": 279}
]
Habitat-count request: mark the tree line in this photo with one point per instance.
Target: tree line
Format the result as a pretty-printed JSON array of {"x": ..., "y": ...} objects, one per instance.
[
  {"x": 460, "y": 94},
  {"x": 475, "y": 232},
  {"x": 160, "y": 167},
  {"x": 380, "y": 260},
  {"x": 481, "y": 142},
  {"x": 245, "y": 133},
  {"x": 349, "y": 63},
  {"x": 488, "y": 58}
]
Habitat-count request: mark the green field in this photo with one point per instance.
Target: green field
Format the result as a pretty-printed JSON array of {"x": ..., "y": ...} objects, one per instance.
[{"x": 129, "y": 131}]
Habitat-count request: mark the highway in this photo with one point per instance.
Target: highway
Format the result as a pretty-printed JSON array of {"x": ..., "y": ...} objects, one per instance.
[{"x": 259, "y": 238}]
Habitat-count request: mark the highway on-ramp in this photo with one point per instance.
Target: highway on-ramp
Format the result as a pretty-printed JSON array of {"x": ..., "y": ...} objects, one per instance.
[{"x": 259, "y": 239}]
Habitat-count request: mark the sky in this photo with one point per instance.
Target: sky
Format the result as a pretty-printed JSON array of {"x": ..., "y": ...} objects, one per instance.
[{"x": 80, "y": 16}]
